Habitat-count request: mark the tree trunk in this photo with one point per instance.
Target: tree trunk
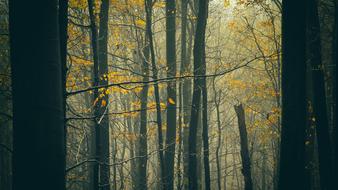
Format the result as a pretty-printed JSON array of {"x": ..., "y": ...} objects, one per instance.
[
  {"x": 171, "y": 93},
  {"x": 219, "y": 135},
  {"x": 292, "y": 174},
  {"x": 246, "y": 165},
  {"x": 5, "y": 104},
  {"x": 103, "y": 103},
  {"x": 199, "y": 47},
  {"x": 205, "y": 133},
  {"x": 39, "y": 149},
  {"x": 149, "y": 34},
  {"x": 319, "y": 96},
  {"x": 143, "y": 146},
  {"x": 335, "y": 60},
  {"x": 99, "y": 48},
  {"x": 186, "y": 86}
]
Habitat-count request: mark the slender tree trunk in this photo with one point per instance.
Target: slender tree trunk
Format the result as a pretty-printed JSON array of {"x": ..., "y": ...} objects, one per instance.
[
  {"x": 205, "y": 133},
  {"x": 143, "y": 146},
  {"x": 63, "y": 32},
  {"x": 219, "y": 134},
  {"x": 131, "y": 147},
  {"x": 171, "y": 93},
  {"x": 103, "y": 103},
  {"x": 246, "y": 163},
  {"x": 199, "y": 47},
  {"x": 96, "y": 93},
  {"x": 186, "y": 92},
  {"x": 179, "y": 151},
  {"x": 37, "y": 96},
  {"x": 5, "y": 104},
  {"x": 292, "y": 174},
  {"x": 149, "y": 34}
]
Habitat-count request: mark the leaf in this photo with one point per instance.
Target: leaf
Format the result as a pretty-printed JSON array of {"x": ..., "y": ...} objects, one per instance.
[
  {"x": 103, "y": 103},
  {"x": 140, "y": 23},
  {"x": 171, "y": 101}
]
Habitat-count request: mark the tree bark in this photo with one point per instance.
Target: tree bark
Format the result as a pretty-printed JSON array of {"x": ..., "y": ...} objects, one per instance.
[
  {"x": 291, "y": 172},
  {"x": 171, "y": 93},
  {"x": 38, "y": 118},
  {"x": 199, "y": 46},
  {"x": 143, "y": 146},
  {"x": 246, "y": 163},
  {"x": 99, "y": 48},
  {"x": 319, "y": 96},
  {"x": 103, "y": 103}
]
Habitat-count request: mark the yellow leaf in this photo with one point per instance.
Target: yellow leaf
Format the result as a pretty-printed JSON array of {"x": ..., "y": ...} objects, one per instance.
[
  {"x": 103, "y": 103},
  {"x": 140, "y": 23},
  {"x": 171, "y": 101}
]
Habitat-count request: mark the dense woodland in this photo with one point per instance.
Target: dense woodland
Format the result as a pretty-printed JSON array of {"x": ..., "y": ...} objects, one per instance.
[{"x": 165, "y": 94}]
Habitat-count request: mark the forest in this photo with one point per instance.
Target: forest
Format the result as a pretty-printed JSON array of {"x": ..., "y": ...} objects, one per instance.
[{"x": 168, "y": 95}]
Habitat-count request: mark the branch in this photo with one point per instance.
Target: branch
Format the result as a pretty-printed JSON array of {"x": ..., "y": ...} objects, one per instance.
[{"x": 162, "y": 79}]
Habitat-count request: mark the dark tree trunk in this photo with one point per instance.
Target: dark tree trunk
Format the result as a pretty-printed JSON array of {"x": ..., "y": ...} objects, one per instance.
[
  {"x": 63, "y": 32},
  {"x": 99, "y": 48},
  {"x": 39, "y": 149},
  {"x": 199, "y": 47},
  {"x": 143, "y": 146},
  {"x": 246, "y": 165},
  {"x": 205, "y": 132},
  {"x": 292, "y": 174},
  {"x": 335, "y": 60},
  {"x": 149, "y": 35},
  {"x": 103, "y": 103},
  {"x": 319, "y": 96},
  {"x": 5, "y": 104},
  {"x": 171, "y": 93}
]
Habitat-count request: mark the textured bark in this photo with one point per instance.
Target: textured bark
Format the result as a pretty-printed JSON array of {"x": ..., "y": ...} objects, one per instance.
[
  {"x": 5, "y": 104},
  {"x": 291, "y": 172},
  {"x": 38, "y": 118},
  {"x": 199, "y": 46},
  {"x": 245, "y": 155},
  {"x": 103, "y": 118},
  {"x": 171, "y": 93}
]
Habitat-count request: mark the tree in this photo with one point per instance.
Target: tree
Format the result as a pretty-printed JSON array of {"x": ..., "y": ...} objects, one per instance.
[
  {"x": 39, "y": 148},
  {"x": 319, "y": 95},
  {"x": 149, "y": 35},
  {"x": 246, "y": 165},
  {"x": 103, "y": 103},
  {"x": 335, "y": 60},
  {"x": 199, "y": 60},
  {"x": 143, "y": 143},
  {"x": 99, "y": 48},
  {"x": 292, "y": 174},
  {"x": 171, "y": 93}
]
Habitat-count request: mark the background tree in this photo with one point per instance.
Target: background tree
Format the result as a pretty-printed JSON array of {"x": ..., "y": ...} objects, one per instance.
[{"x": 37, "y": 96}]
